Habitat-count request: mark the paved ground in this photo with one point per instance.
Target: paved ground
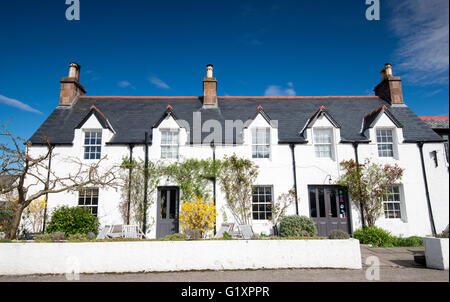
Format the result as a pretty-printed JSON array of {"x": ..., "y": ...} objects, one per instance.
[{"x": 396, "y": 264}]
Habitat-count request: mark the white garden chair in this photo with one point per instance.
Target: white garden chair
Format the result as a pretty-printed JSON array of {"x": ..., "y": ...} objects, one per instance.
[
  {"x": 132, "y": 231},
  {"x": 246, "y": 231},
  {"x": 225, "y": 227}
]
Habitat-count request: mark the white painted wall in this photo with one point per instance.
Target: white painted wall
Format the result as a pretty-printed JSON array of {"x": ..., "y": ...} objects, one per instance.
[
  {"x": 277, "y": 171},
  {"x": 159, "y": 256},
  {"x": 436, "y": 252}
]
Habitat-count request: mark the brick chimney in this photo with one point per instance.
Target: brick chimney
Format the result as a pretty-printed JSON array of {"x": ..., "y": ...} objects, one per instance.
[
  {"x": 209, "y": 88},
  {"x": 70, "y": 86},
  {"x": 390, "y": 87}
]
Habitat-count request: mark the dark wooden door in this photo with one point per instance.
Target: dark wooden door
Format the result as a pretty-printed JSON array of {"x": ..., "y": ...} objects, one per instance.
[
  {"x": 167, "y": 211},
  {"x": 329, "y": 209}
]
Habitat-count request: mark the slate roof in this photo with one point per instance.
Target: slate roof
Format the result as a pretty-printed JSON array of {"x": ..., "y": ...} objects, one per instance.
[
  {"x": 436, "y": 122},
  {"x": 371, "y": 118},
  {"x": 131, "y": 117}
]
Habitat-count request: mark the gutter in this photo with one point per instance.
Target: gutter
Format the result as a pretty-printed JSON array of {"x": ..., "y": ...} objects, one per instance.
[
  {"x": 46, "y": 194},
  {"x": 292, "y": 146},
  {"x": 355, "y": 148},
  {"x": 129, "y": 183},
  {"x": 214, "y": 179},
  {"x": 144, "y": 227},
  {"x": 424, "y": 173}
]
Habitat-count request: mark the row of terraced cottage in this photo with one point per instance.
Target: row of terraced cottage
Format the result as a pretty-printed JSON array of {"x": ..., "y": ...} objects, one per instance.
[{"x": 297, "y": 142}]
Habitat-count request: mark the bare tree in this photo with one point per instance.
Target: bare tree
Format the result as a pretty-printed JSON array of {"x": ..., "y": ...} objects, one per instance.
[
  {"x": 368, "y": 183},
  {"x": 34, "y": 179}
]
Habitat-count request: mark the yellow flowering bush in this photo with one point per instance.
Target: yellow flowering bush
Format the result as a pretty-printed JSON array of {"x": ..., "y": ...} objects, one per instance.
[
  {"x": 198, "y": 216},
  {"x": 34, "y": 214}
]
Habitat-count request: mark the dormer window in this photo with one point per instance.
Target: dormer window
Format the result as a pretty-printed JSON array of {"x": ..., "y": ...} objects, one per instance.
[
  {"x": 323, "y": 143},
  {"x": 261, "y": 143},
  {"x": 92, "y": 144},
  {"x": 169, "y": 144},
  {"x": 385, "y": 143}
]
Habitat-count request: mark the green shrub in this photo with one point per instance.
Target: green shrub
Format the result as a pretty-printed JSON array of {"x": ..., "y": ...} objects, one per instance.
[
  {"x": 43, "y": 237},
  {"x": 174, "y": 237},
  {"x": 297, "y": 226},
  {"x": 75, "y": 220},
  {"x": 226, "y": 236},
  {"x": 77, "y": 237},
  {"x": 338, "y": 234},
  {"x": 377, "y": 237},
  {"x": 409, "y": 241}
]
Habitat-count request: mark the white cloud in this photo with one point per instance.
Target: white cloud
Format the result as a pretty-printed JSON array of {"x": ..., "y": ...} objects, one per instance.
[
  {"x": 275, "y": 90},
  {"x": 423, "y": 30},
  {"x": 124, "y": 84},
  {"x": 18, "y": 104},
  {"x": 159, "y": 83}
]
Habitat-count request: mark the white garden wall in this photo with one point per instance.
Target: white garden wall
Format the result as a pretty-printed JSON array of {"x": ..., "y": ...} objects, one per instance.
[
  {"x": 436, "y": 252},
  {"x": 161, "y": 256}
]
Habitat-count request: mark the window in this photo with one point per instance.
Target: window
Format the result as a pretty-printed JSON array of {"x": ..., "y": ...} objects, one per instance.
[
  {"x": 323, "y": 142},
  {"x": 385, "y": 143},
  {"x": 261, "y": 206},
  {"x": 88, "y": 197},
  {"x": 92, "y": 144},
  {"x": 169, "y": 144},
  {"x": 391, "y": 201},
  {"x": 261, "y": 143}
]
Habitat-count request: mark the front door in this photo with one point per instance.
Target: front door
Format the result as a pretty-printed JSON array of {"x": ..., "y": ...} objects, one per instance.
[
  {"x": 329, "y": 209},
  {"x": 167, "y": 211}
]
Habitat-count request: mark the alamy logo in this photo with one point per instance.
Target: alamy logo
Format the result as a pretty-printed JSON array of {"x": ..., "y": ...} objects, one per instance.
[
  {"x": 373, "y": 11},
  {"x": 373, "y": 270},
  {"x": 73, "y": 11}
]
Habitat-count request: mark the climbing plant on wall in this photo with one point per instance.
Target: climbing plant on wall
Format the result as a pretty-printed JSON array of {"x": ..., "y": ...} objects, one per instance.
[
  {"x": 194, "y": 176},
  {"x": 236, "y": 177}
]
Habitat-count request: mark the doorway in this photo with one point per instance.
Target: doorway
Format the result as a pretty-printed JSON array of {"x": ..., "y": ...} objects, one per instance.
[
  {"x": 167, "y": 221},
  {"x": 329, "y": 208}
]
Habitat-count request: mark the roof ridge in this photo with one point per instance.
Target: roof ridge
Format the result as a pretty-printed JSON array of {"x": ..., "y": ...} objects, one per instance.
[
  {"x": 229, "y": 97},
  {"x": 437, "y": 118}
]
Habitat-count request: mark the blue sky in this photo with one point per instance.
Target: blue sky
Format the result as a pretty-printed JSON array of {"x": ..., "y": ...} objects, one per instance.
[{"x": 298, "y": 47}]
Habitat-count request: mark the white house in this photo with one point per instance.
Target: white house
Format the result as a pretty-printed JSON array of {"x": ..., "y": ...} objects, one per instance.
[{"x": 297, "y": 142}]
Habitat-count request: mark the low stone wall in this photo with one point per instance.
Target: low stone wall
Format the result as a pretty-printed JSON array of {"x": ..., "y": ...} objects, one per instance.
[
  {"x": 161, "y": 256},
  {"x": 436, "y": 252}
]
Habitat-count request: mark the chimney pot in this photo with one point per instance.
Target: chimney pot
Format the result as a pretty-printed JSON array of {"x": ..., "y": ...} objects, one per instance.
[
  {"x": 388, "y": 69},
  {"x": 209, "y": 71},
  {"x": 74, "y": 71}
]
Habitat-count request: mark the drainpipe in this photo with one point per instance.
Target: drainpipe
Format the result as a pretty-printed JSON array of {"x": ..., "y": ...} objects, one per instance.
[
  {"x": 292, "y": 146},
  {"x": 144, "y": 227},
  {"x": 129, "y": 183},
  {"x": 214, "y": 178},
  {"x": 46, "y": 194},
  {"x": 355, "y": 148},
  {"x": 430, "y": 211}
]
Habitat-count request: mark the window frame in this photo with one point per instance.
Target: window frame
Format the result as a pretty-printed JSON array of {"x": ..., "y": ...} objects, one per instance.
[
  {"x": 171, "y": 144},
  {"x": 91, "y": 197},
  {"x": 392, "y": 143},
  {"x": 89, "y": 145},
  {"x": 256, "y": 145},
  {"x": 393, "y": 202},
  {"x": 265, "y": 203},
  {"x": 315, "y": 144}
]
